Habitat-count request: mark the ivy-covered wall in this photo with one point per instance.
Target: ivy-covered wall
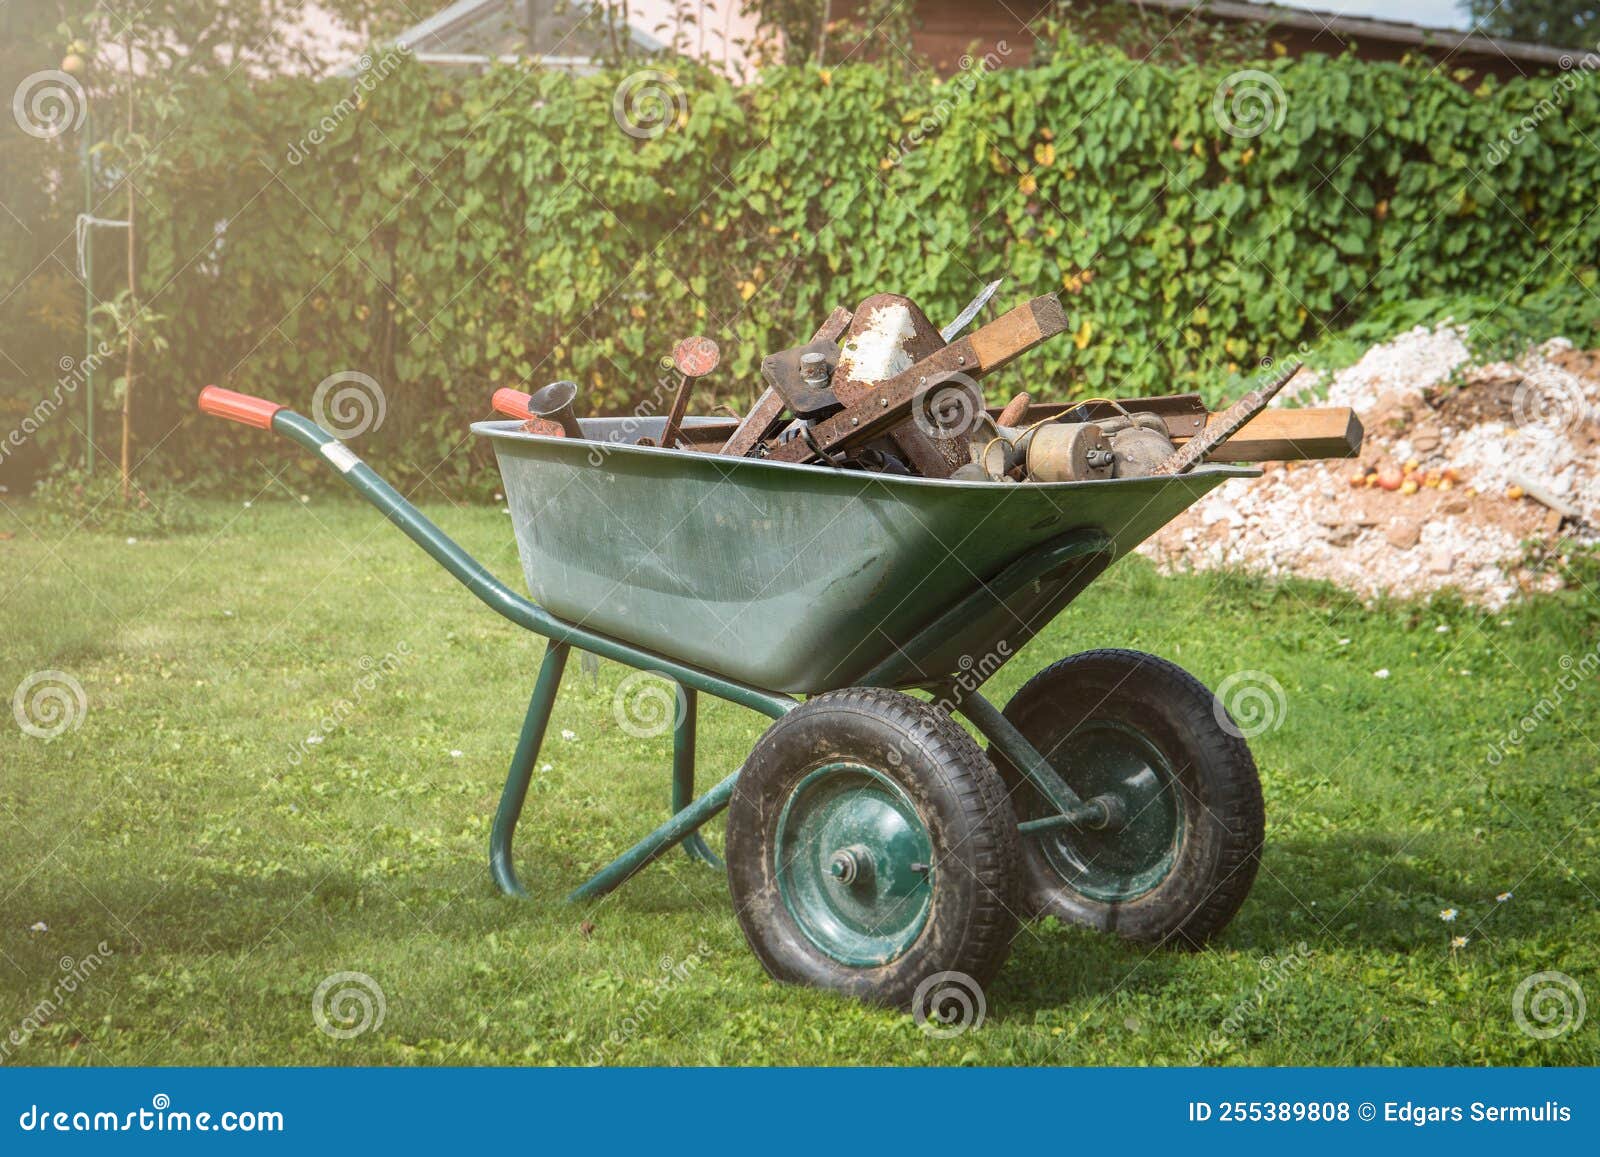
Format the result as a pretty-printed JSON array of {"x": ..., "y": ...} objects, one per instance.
[{"x": 452, "y": 234}]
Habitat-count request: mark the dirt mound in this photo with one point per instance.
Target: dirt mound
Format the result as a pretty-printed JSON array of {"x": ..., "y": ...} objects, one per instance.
[{"x": 1462, "y": 464}]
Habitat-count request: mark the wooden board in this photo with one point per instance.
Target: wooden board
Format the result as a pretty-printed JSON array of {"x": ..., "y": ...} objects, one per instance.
[
  {"x": 1013, "y": 334},
  {"x": 1293, "y": 435}
]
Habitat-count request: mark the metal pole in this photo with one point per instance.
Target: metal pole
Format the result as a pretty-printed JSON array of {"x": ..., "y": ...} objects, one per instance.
[
  {"x": 1024, "y": 756},
  {"x": 516, "y": 789},
  {"x": 658, "y": 842},
  {"x": 683, "y": 734},
  {"x": 86, "y": 144}
]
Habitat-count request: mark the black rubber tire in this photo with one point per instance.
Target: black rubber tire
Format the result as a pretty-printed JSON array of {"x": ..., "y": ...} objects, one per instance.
[
  {"x": 1223, "y": 819},
  {"x": 962, "y": 803}
]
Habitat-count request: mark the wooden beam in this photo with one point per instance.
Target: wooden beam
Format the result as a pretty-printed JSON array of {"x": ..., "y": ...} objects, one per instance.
[
  {"x": 1291, "y": 435},
  {"x": 1013, "y": 334}
]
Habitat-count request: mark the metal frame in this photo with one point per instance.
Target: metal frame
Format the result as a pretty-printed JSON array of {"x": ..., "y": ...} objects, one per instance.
[{"x": 1066, "y": 566}]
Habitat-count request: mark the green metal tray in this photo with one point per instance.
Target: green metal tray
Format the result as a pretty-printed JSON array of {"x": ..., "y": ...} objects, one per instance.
[{"x": 793, "y": 578}]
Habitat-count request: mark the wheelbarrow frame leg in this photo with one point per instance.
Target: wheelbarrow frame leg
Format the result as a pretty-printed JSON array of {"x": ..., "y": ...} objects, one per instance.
[
  {"x": 688, "y": 816},
  {"x": 517, "y": 779},
  {"x": 683, "y": 742},
  {"x": 658, "y": 842}
]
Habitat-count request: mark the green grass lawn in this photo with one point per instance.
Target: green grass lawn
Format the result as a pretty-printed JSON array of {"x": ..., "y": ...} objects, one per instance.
[{"x": 228, "y": 868}]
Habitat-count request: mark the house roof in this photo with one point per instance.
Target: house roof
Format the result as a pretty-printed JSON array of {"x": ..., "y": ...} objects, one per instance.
[
  {"x": 477, "y": 31},
  {"x": 1366, "y": 28}
]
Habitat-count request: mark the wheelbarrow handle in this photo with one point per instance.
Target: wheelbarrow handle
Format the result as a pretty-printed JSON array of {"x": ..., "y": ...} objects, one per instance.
[
  {"x": 468, "y": 571},
  {"x": 235, "y": 407},
  {"x": 367, "y": 483},
  {"x": 512, "y": 403}
]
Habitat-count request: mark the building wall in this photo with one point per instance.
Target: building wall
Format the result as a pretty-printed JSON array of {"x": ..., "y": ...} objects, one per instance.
[
  {"x": 721, "y": 37},
  {"x": 947, "y": 29}
]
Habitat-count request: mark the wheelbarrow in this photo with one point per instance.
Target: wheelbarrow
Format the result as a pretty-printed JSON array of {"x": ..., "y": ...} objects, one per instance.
[{"x": 872, "y": 846}]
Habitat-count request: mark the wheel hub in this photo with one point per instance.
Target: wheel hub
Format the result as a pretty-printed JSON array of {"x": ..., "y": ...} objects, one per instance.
[
  {"x": 848, "y": 864},
  {"x": 1134, "y": 850},
  {"x": 852, "y": 857}
]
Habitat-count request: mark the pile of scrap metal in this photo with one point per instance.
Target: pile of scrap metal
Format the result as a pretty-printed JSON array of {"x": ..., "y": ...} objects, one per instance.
[{"x": 881, "y": 389}]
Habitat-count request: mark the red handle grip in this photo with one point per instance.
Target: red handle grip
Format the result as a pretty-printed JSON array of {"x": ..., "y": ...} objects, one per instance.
[
  {"x": 512, "y": 403},
  {"x": 241, "y": 408}
]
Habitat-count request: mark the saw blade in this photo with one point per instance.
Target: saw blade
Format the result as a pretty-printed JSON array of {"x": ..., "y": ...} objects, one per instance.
[{"x": 964, "y": 318}]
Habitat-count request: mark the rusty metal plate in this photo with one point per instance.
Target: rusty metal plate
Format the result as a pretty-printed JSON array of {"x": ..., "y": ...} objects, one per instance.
[
  {"x": 888, "y": 334},
  {"x": 783, "y": 372},
  {"x": 762, "y": 420}
]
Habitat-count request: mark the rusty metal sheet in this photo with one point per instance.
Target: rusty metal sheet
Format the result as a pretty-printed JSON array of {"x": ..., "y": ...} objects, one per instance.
[
  {"x": 785, "y": 372},
  {"x": 544, "y": 428},
  {"x": 833, "y": 328},
  {"x": 758, "y": 425},
  {"x": 888, "y": 335}
]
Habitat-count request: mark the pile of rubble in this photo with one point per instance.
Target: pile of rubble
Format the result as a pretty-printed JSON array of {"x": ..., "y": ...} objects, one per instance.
[{"x": 1462, "y": 466}]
